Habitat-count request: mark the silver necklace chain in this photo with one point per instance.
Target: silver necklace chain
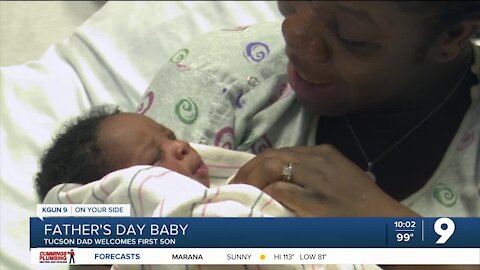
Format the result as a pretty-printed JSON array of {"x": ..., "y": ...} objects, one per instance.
[{"x": 370, "y": 162}]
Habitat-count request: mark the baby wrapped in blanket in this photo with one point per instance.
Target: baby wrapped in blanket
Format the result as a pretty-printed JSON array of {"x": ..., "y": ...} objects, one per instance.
[
  {"x": 160, "y": 192},
  {"x": 144, "y": 165}
]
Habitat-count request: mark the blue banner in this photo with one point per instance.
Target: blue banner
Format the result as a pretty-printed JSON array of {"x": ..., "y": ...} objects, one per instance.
[{"x": 128, "y": 232}]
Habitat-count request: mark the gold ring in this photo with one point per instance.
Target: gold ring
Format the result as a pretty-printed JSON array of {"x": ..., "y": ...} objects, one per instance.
[{"x": 287, "y": 172}]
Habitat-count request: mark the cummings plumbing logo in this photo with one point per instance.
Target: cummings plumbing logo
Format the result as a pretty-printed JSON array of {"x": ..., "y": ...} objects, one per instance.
[{"x": 67, "y": 256}]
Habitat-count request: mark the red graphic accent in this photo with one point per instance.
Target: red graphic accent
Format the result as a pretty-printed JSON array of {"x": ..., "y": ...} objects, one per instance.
[
  {"x": 72, "y": 256},
  {"x": 147, "y": 103},
  {"x": 53, "y": 256}
]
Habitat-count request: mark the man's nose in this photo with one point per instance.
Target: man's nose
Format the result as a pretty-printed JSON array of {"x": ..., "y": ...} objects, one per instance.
[
  {"x": 289, "y": 7},
  {"x": 304, "y": 33},
  {"x": 180, "y": 149}
]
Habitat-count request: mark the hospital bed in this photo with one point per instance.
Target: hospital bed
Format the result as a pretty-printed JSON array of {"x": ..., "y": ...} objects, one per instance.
[{"x": 110, "y": 58}]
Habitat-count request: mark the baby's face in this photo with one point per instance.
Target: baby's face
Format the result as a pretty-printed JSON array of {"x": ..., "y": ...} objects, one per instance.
[{"x": 130, "y": 139}]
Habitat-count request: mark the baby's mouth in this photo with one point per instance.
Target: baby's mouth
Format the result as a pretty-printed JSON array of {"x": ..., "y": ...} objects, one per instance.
[{"x": 201, "y": 169}]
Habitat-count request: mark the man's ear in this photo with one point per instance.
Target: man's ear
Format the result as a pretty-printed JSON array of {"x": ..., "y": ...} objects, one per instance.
[{"x": 453, "y": 41}]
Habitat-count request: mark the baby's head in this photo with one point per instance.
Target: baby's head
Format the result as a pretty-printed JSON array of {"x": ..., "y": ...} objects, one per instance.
[{"x": 105, "y": 140}]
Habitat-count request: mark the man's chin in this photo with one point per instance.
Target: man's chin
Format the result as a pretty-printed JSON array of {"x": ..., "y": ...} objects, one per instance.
[{"x": 326, "y": 110}]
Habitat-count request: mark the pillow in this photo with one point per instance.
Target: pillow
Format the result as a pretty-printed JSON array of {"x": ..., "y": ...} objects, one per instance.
[{"x": 111, "y": 58}]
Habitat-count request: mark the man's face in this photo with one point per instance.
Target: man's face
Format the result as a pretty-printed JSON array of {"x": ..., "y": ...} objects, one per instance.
[
  {"x": 129, "y": 139},
  {"x": 352, "y": 55}
]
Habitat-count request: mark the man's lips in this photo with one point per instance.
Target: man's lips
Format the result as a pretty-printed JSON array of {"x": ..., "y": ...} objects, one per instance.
[
  {"x": 311, "y": 81},
  {"x": 300, "y": 70},
  {"x": 299, "y": 83}
]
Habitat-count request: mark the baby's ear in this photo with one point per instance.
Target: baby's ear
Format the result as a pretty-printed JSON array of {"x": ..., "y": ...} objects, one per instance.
[{"x": 453, "y": 40}]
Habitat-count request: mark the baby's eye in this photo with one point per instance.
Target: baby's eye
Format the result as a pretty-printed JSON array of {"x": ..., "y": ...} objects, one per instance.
[{"x": 172, "y": 137}]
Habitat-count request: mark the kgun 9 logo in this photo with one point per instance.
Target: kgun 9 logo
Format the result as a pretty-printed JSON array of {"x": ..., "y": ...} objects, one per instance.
[{"x": 444, "y": 227}]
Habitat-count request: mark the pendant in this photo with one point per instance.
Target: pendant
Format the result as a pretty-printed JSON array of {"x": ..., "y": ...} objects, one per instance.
[
  {"x": 369, "y": 171},
  {"x": 371, "y": 175}
]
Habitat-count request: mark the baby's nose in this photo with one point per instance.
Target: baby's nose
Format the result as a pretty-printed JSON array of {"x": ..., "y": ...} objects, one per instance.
[{"x": 181, "y": 149}]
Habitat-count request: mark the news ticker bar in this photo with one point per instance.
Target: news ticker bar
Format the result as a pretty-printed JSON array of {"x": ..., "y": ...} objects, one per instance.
[
  {"x": 129, "y": 232},
  {"x": 258, "y": 256}
]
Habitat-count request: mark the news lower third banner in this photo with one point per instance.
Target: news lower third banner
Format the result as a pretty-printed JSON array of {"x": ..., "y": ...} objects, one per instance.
[{"x": 127, "y": 240}]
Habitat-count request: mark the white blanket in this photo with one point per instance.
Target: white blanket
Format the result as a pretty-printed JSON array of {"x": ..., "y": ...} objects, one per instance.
[{"x": 159, "y": 192}]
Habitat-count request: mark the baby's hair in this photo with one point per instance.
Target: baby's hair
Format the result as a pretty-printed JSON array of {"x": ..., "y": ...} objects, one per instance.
[{"x": 74, "y": 155}]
